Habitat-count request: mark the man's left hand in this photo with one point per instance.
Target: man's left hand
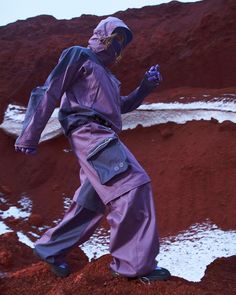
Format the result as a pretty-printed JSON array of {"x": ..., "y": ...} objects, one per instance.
[{"x": 153, "y": 75}]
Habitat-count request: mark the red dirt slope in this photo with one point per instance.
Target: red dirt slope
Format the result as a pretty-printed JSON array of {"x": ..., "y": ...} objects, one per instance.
[
  {"x": 95, "y": 278},
  {"x": 192, "y": 167}
]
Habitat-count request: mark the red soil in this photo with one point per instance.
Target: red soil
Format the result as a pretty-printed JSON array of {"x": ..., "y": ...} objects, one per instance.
[
  {"x": 95, "y": 278},
  {"x": 192, "y": 166},
  {"x": 194, "y": 43}
]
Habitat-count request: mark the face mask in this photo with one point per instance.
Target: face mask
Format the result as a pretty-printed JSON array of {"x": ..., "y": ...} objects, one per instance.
[
  {"x": 116, "y": 41},
  {"x": 114, "y": 44},
  {"x": 117, "y": 46}
]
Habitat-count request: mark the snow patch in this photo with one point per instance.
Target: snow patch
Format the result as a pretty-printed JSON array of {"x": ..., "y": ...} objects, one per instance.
[
  {"x": 186, "y": 255},
  {"x": 219, "y": 108}
]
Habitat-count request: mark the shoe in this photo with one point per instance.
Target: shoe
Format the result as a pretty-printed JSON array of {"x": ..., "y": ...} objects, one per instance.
[
  {"x": 60, "y": 269},
  {"x": 158, "y": 274}
]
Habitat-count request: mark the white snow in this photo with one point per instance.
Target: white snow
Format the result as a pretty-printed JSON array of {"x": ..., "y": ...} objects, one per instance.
[
  {"x": 4, "y": 228},
  {"x": 219, "y": 108},
  {"x": 23, "y": 211},
  {"x": 97, "y": 245},
  {"x": 24, "y": 239},
  {"x": 14, "y": 117},
  {"x": 186, "y": 255},
  {"x": 222, "y": 105}
]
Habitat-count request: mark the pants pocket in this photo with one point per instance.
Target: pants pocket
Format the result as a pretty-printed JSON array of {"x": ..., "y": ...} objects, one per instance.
[{"x": 108, "y": 158}]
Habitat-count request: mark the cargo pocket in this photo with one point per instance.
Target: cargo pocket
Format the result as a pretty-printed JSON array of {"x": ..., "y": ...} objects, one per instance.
[{"x": 108, "y": 158}]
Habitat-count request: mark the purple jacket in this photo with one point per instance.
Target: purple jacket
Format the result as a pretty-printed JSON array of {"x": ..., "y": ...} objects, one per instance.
[{"x": 84, "y": 87}]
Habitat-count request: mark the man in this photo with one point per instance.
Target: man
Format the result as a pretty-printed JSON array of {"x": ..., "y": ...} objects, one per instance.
[{"x": 110, "y": 176}]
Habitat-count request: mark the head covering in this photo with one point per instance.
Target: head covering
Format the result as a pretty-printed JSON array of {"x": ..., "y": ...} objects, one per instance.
[{"x": 105, "y": 29}]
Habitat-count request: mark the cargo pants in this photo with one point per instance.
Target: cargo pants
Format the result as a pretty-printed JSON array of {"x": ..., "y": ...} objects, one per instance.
[{"x": 111, "y": 179}]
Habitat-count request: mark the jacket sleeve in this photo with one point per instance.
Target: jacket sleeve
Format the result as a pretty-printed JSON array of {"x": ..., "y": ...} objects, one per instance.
[
  {"x": 135, "y": 98},
  {"x": 44, "y": 99}
]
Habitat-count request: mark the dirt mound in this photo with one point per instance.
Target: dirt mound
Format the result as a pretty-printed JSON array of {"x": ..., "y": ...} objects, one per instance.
[
  {"x": 192, "y": 167},
  {"x": 13, "y": 253},
  {"x": 95, "y": 278}
]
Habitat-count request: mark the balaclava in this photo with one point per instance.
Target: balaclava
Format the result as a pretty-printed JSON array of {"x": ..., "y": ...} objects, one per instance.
[{"x": 104, "y": 41}]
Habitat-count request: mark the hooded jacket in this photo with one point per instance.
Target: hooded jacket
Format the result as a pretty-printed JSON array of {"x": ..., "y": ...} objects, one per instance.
[{"x": 84, "y": 88}]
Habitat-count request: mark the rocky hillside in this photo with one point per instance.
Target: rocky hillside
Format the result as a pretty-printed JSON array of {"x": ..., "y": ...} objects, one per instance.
[{"x": 194, "y": 43}]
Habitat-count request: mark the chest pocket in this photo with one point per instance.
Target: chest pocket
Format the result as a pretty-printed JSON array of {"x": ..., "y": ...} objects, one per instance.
[{"x": 108, "y": 158}]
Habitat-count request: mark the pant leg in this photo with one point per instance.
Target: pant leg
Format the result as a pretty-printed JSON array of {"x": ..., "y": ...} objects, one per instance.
[
  {"x": 103, "y": 158},
  {"x": 86, "y": 195},
  {"x": 77, "y": 225},
  {"x": 134, "y": 241}
]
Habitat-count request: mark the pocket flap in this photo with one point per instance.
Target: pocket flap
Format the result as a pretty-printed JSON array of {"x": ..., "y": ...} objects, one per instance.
[{"x": 108, "y": 158}]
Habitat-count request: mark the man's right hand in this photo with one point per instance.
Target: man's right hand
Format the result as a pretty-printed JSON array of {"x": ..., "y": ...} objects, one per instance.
[{"x": 27, "y": 151}]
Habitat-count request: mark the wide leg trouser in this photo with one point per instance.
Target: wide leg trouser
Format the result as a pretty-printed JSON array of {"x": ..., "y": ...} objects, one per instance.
[
  {"x": 134, "y": 242},
  {"x": 75, "y": 228}
]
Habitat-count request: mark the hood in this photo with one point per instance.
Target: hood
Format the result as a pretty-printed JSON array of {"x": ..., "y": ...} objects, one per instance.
[{"x": 104, "y": 29}]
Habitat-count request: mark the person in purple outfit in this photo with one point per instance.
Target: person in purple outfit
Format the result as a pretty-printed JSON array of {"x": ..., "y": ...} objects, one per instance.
[{"x": 110, "y": 176}]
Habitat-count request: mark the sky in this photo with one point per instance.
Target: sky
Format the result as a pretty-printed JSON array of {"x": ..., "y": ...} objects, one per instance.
[{"x": 13, "y": 10}]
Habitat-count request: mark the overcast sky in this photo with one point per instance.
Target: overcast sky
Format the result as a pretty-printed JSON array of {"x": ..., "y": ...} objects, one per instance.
[{"x": 12, "y": 10}]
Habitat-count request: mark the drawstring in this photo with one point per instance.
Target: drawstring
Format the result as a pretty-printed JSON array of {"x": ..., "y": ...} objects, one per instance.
[{"x": 118, "y": 58}]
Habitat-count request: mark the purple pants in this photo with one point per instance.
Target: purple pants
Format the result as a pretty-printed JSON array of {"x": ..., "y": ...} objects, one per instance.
[{"x": 111, "y": 179}]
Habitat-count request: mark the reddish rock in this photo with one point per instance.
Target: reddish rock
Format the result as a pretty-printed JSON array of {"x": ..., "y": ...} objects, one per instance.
[
  {"x": 35, "y": 219},
  {"x": 194, "y": 43},
  {"x": 227, "y": 126},
  {"x": 13, "y": 254},
  {"x": 96, "y": 278},
  {"x": 165, "y": 133},
  {"x": 11, "y": 221},
  {"x": 5, "y": 258},
  {"x": 5, "y": 189}
]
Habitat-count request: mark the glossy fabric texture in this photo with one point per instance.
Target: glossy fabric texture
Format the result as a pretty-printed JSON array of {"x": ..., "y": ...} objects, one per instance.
[
  {"x": 83, "y": 87},
  {"x": 84, "y": 140},
  {"x": 77, "y": 225},
  {"x": 134, "y": 237},
  {"x": 104, "y": 29},
  {"x": 134, "y": 242}
]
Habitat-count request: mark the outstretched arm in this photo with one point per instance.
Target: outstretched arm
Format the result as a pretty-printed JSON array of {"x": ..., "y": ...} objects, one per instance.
[
  {"x": 152, "y": 78},
  {"x": 44, "y": 99}
]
